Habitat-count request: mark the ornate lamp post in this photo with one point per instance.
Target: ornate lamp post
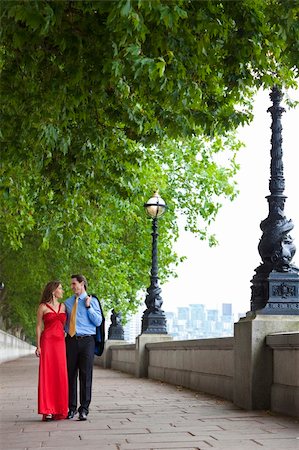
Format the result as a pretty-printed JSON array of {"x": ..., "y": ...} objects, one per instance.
[
  {"x": 116, "y": 331},
  {"x": 276, "y": 281},
  {"x": 154, "y": 320}
]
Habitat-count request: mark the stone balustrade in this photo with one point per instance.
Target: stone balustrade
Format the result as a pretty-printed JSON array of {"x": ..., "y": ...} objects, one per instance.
[
  {"x": 285, "y": 385},
  {"x": 204, "y": 365},
  {"x": 12, "y": 347},
  {"x": 258, "y": 368}
]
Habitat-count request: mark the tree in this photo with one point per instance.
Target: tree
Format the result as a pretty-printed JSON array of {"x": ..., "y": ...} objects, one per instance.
[{"x": 103, "y": 102}]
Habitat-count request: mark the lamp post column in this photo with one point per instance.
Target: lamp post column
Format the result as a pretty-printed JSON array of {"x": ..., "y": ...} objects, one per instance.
[
  {"x": 153, "y": 326},
  {"x": 154, "y": 320},
  {"x": 275, "y": 285}
]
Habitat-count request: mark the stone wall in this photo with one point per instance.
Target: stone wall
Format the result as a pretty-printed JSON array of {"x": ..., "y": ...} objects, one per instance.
[
  {"x": 285, "y": 385},
  {"x": 258, "y": 368},
  {"x": 12, "y": 347},
  {"x": 204, "y": 365},
  {"x": 123, "y": 358}
]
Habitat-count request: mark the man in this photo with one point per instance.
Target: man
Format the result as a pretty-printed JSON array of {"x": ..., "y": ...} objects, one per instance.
[{"x": 83, "y": 316}]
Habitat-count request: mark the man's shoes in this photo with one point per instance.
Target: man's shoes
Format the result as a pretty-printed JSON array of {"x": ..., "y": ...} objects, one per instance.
[
  {"x": 71, "y": 414},
  {"x": 82, "y": 416}
]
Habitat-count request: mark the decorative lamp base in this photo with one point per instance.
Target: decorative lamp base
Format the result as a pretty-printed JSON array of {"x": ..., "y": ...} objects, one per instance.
[
  {"x": 116, "y": 333},
  {"x": 153, "y": 322},
  {"x": 283, "y": 294}
]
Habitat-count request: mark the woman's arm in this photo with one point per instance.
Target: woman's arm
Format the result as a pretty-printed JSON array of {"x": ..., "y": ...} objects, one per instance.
[{"x": 39, "y": 328}]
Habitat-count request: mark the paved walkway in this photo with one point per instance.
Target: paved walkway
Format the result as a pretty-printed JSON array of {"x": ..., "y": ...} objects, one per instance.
[{"x": 135, "y": 414}]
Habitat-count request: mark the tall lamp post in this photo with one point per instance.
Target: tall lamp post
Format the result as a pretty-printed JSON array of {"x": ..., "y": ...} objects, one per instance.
[
  {"x": 154, "y": 320},
  {"x": 275, "y": 285}
]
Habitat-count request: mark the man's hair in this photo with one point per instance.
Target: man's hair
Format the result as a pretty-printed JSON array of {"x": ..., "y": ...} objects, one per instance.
[{"x": 80, "y": 278}]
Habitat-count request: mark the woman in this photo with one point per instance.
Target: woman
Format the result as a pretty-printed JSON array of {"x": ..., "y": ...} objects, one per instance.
[{"x": 52, "y": 382}]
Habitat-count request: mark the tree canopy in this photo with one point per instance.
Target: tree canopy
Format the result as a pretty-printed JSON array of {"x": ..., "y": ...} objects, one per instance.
[{"x": 103, "y": 102}]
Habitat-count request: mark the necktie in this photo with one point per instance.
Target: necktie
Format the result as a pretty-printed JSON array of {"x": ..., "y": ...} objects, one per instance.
[{"x": 72, "y": 326}]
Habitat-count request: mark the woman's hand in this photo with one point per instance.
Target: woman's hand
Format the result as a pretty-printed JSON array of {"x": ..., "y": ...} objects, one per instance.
[{"x": 38, "y": 352}]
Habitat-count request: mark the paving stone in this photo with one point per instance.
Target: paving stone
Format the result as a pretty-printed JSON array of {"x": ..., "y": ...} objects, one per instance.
[{"x": 135, "y": 414}]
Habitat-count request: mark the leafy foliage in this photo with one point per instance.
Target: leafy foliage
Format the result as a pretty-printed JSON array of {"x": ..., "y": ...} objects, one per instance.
[{"x": 104, "y": 102}]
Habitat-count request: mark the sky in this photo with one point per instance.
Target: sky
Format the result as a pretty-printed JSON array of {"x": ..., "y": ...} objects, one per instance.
[{"x": 212, "y": 276}]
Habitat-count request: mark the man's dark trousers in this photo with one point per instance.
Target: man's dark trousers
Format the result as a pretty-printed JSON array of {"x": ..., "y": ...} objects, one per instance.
[{"x": 80, "y": 356}]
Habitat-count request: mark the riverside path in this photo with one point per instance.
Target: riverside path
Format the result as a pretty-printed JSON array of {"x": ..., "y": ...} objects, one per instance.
[{"x": 135, "y": 414}]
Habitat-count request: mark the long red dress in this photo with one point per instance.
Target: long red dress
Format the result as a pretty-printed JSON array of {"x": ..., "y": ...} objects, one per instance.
[{"x": 53, "y": 381}]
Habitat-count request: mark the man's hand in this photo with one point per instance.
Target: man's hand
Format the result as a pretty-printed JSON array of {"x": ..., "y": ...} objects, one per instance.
[{"x": 88, "y": 301}]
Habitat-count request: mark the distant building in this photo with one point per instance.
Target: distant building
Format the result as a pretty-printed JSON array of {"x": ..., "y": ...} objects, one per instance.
[
  {"x": 213, "y": 315},
  {"x": 227, "y": 309},
  {"x": 171, "y": 322},
  {"x": 132, "y": 329},
  {"x": 197, "y": 312},
  {"x": 183, "y": 313}
]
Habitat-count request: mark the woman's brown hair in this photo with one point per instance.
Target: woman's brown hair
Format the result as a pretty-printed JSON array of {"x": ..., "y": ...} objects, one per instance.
[{"x": 47, "y": 294}]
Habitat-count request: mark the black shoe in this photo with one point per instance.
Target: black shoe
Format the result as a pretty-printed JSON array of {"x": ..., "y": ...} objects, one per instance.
[
  {"x": 82, "y": 416},
  {"x": 71, "y": 414},
  {"x": 48, "y": 417}
]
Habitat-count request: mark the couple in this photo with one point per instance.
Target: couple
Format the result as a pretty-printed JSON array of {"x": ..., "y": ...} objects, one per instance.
[{"x": 61, "y": 359}]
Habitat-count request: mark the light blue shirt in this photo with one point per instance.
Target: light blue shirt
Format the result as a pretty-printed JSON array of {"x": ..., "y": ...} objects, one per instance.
[{"x": 87, "y": 319}]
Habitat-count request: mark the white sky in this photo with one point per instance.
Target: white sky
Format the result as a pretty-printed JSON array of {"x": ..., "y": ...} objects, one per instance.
[{"x": 213, "y": 276}]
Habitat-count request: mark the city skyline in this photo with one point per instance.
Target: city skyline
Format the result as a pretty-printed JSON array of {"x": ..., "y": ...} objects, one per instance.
[
  {"x": 197, "y": 322},
  {"x": 194, "y": 321}
]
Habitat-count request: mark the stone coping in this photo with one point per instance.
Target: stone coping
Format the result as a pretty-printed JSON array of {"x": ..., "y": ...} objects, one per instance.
[
  {"x": 224, "y": 343},
  {"x": 288, "y": 340},
  {"x": 122, "y": 346}
]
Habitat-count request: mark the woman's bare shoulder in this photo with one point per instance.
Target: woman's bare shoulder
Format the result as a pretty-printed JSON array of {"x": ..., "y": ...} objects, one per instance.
[{"x": 41, "y": 307}]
